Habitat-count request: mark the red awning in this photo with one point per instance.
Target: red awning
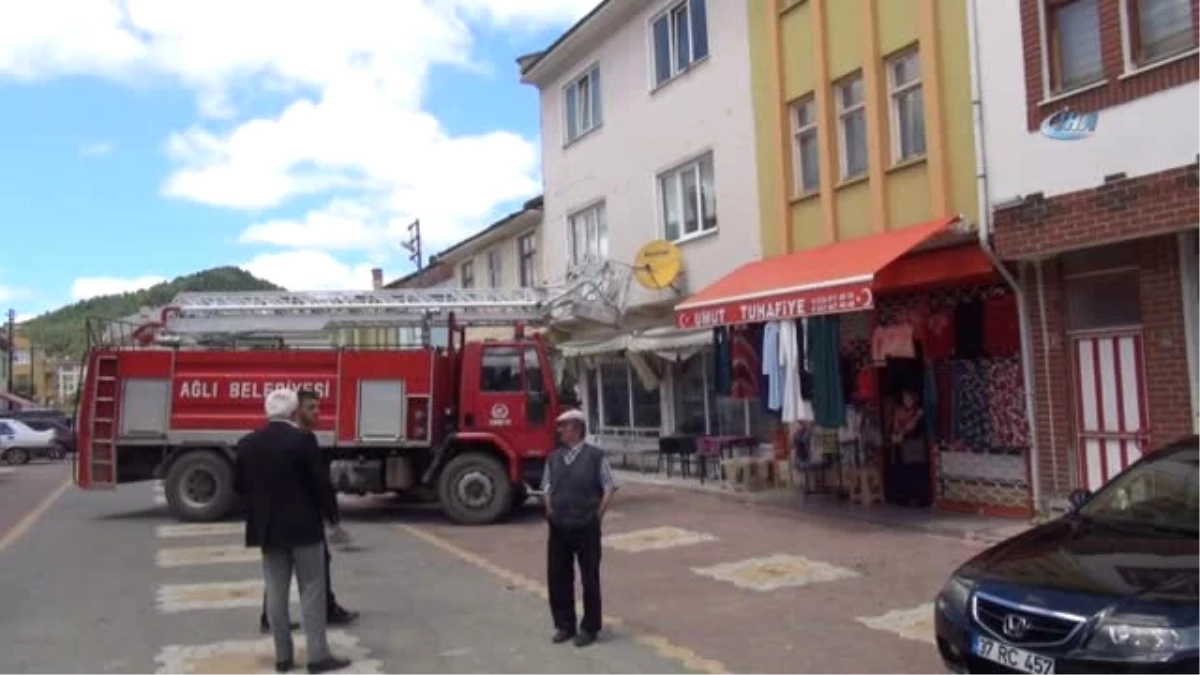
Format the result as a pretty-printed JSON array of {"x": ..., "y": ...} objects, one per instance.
[{"x": 826, "y": 280}]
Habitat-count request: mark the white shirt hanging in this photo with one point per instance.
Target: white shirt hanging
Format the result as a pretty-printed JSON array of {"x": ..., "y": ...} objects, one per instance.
[{"x": 795, "y": 408}]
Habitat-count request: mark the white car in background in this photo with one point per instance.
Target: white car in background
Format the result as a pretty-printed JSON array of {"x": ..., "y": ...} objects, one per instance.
[{"x": 19, "y": 443}]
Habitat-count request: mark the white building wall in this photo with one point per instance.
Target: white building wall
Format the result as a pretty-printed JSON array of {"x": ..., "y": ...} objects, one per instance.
[
  {"x": 1141, "y": 137},
  {"x": 645, "y": 132}
]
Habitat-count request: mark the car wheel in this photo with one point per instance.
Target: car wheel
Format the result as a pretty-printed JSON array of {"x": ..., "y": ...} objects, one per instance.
[
  {"x": 56, "y": 453},
  {"x": 16, "y": 456}
]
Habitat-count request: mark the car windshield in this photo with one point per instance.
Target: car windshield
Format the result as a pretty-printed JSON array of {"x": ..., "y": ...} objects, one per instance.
[{"x": 1162, "y": 493}]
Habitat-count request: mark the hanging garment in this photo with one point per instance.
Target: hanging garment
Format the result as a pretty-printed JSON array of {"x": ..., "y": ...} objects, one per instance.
[
  {"x": 968, "y": 330},
  {"x": 866, "y": 388},
  {"x": 770, "y": 366},
  {"x": 1006, "y": 393},
  {"x": 829, "y": 407},
  {"x": 722, "y": 362},
  {"x": 944, "y": 376},
  {"x": 972, "y": 418},
  {"x": 929, "y": 402},
  {"x": 806, "y": 386},
  {"x": 794, "y": 408},
  {"x": 746, "y": 364},
  {"x": 938, "y": 338},
  {"x": 892, "y": 342},
  {"x": 1001, "y": 328}
]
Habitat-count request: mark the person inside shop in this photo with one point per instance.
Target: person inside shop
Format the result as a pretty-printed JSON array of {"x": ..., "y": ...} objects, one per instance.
[
  {"x": 908, "y": 441},
  {"x": 577, "y": 487}
]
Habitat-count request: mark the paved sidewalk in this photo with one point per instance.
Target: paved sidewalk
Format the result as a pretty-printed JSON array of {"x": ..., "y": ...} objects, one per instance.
[
  {"x": 747, "y": 588},
  {"x": 970, "y": 527}
]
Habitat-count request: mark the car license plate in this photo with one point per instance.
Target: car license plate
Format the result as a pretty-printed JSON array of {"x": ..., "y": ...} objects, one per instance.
[{"x": 1011, "y": 657}]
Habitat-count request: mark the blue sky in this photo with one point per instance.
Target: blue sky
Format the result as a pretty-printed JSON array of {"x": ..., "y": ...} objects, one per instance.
[{"x": 144, "y": 140}]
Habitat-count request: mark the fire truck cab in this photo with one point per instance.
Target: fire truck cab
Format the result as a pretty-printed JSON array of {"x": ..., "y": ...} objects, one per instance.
[{"x": 468, "y": 424}]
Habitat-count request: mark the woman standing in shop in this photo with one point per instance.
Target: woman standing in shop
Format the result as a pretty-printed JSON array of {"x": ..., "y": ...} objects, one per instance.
[{"x": 908, "y": 446}]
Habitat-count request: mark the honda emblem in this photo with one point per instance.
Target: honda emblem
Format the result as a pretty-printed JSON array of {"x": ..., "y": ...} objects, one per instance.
[{"x": 1015, "y": 626}]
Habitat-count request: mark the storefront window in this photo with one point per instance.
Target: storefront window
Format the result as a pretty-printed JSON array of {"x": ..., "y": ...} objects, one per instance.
[
  {"x": 617, "y": 399},
  {"x": 691, "y": 394}
]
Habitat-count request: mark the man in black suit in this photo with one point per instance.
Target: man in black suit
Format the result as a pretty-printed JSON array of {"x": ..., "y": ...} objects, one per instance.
[
  {"x": 335, "y": 614},
  {"x": 289, "y": 499}
]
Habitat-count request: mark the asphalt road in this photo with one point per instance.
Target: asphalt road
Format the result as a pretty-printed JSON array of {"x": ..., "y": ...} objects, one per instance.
[{"x": 97, "y": 585}]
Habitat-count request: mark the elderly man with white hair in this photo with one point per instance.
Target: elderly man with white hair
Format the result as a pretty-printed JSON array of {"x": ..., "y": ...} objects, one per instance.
[
  {"x": 289, "y": 499},
  {"x": 577, "y": 487}
]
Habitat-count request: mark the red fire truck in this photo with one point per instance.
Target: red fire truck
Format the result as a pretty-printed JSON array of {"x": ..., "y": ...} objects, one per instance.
[{"x": 466, "y": 423}]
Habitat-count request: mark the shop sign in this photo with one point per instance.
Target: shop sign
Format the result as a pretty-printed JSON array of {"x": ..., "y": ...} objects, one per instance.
[
  {"x": 1069, "y": 125},
  {"x": 779, "y": 307}
]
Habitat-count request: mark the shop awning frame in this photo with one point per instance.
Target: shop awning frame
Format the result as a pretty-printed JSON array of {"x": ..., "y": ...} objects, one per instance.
[
  {"x": 652, "y": 340},
  {"x": 832, "y": 279}
]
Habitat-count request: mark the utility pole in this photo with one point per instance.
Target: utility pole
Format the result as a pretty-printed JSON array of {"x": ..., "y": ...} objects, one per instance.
[
  {"x": 11, "y": 346},
  {"x": 413, "y": 244}
]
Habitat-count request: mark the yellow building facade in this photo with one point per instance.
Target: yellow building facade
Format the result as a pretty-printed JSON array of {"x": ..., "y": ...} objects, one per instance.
[{"x": 863, "y": 117}]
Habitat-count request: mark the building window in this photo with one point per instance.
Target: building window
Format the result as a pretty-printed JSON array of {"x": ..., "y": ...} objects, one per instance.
[
  {"x": 680, "y": 39},
  {"x": 587, "y": 235},
  {"x": 495, "y": 265},
  {"x": 618, "y": 400},
  {"x": 852, "y": 127},
  {"x": 527, "y": 259},
  {"x": 806, "y": 160},
  {"x": 700, "y": 411},
  {"x": 908, "y": 106},
  {"x": 582, "y": 101},
  {"x": 21, "y": 357},
  {"x": 1160, "y": 28},
  {"x": 1073, "y": 44},
  {"x": 689, "y": 199},
  {"x": 467, "y": 272}
]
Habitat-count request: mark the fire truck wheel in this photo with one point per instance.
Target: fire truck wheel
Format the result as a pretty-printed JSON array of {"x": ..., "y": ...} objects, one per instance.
[
  {"x": 199, "y": 487},
  {"x": 474, "y": 489}
]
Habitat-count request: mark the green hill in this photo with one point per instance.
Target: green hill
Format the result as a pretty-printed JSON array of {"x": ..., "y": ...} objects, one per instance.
[{"x": 63, "y": 330}]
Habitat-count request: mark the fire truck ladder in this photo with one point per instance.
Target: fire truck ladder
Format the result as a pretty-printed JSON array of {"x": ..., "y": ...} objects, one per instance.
[
  {"x": 102, "y": 424},
  {"x": 598, "y": 291}
]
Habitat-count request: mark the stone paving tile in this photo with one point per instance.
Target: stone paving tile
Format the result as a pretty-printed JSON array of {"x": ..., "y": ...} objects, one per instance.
[
  {"x": 912, "y": 624},
  {"x": 199, "y": 530},
  {"x": 809, "y": 628},
  {"x": 654, "y": 539},
  {"x": 769, "y": 573}
]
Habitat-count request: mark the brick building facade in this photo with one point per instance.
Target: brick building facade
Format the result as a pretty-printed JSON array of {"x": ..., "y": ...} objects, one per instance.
[{"x": 1107, "y": 254}]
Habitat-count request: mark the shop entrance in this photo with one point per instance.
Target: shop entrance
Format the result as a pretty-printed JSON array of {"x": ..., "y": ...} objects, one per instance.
[
  {"x": 907, "y": 478},
  {"x": 1110, "y": 404}
]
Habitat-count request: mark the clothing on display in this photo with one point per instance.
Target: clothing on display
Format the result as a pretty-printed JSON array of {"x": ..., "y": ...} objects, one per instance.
[
  {"x": 794, "y": 408},
  {"x": 770, "y": 366},
  {"x": 971, "y": 413},
  {"x": 829, "y": 405},
  {"x": 746, "y": 363},
  {"x": 866, "y": 388},
  {"x": 968, "y": 329},
  {"x": 1006, "y": 404},
  {"x": 892, "y": 342},
  {"x": 938, "y": 338},
  {"x": 1001, "y": 335},
  {"x": 722, "y": 361}
]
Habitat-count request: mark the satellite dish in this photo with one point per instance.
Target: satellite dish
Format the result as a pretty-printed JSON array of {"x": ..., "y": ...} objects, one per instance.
[{"x": 657, "y": 264}]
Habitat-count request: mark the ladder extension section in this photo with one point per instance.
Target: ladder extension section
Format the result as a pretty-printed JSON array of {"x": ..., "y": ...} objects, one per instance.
[{"x": 310, "y": 311}]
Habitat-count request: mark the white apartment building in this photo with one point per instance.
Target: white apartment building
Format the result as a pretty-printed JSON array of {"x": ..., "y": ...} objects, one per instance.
[{"x": 647, "y": 134}]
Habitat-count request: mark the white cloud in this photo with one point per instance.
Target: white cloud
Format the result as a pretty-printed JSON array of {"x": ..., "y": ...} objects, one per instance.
[
  {"x": 96, "y": 149},
  {"x": 352, "y": 128},
  {"x": 90, "y": 287},
  {"x": 309, "y": 270}
]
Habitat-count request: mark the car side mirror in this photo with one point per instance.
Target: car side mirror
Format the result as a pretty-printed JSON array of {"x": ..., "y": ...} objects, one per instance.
[{"x": 1078, "y": 498}]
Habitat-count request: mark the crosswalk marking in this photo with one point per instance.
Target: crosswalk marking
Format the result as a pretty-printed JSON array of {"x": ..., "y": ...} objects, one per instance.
[
  {"x": 199, "y": 530},
  {"x": 206, "y": 555},
  {"x": 175, "y": 598},
  {"x": 258, "y": 656}
]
